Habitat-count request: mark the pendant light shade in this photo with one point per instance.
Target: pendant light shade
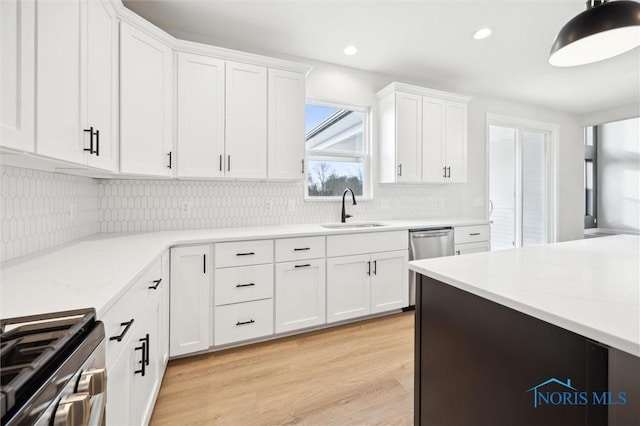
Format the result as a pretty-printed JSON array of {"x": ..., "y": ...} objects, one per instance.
[{"x": 604, "y": 30}]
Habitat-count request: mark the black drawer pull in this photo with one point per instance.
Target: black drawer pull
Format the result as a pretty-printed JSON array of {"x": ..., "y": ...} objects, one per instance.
[
  {"x": 157, "y": 283},
  {"x": 245, "y": 254},
  {"x": 306, "y": 265},
  {"x": 474, "y": 234},
  {"x": 245, "y": 285},
  {"x": 127, "y": 326},
  {"x": 142, "y": 362},
  {"x": 97, "y": 152},
  {"x": 90, "y": 130},
  {"x": 245, "y": 322},
  {"x": 302, "y": 249}
]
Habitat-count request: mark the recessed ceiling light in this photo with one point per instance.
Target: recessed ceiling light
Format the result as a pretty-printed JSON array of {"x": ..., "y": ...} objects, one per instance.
[
  {"x": 482, "y": 33},
  {"x": 350, "y": 50}
]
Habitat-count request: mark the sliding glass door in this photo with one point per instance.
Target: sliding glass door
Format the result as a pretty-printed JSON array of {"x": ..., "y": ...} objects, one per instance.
[{"x": 517, "y": 186}]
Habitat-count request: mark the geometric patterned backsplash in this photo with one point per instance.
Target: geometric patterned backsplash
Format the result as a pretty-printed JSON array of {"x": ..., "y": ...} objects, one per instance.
[
  {"x": 154, "y": 205},
  {"x": 40, "y": 210}
]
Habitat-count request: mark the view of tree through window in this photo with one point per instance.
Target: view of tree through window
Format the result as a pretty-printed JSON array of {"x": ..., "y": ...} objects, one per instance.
[{"x": 336, "y": 154}]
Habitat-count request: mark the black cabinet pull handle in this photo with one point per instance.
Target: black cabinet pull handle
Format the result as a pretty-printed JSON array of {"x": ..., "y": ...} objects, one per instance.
[
  {"x": 458, "y": 252},
  {"x": 204, "y": 263},
  {"x": 399, "y": 169},
  {"x": 245, "y": 322},
  {"x": 142, "y": 362},
  {"x": 220, "y": 162},
  {"x": 473, "y": 234},
  {"x": 245, "y": 285},
  {"x": 228, "y": 162},
  {"x": 145, "y": 340},
  {"x": 369, "y": 271},
  {"x": 306, "y": 265},
  {"x": 90, "y": 130},
  {"x": 245, "y": 254},
  {"x": 302, "y": 169},
  {"x": 157, "y": 283},
  {"x": 97, "y": 143},
  {"x": 445, "y": 172},
  {"x": 169, "y": 154},
  {"x": 127, "y": 326},
  {"x": 302, "y": 249},
  {"x": 448, "y": 171},
  {"x": 375, "y": 267}
]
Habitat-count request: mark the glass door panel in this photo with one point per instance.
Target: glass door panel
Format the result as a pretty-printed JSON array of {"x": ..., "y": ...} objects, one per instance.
[
  {"x": 534, "y": 197},
  {"x": 502, "y": 186}
]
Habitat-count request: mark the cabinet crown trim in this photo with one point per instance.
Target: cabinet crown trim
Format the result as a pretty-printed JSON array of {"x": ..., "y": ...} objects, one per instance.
[{"x": 424, "y": 91}]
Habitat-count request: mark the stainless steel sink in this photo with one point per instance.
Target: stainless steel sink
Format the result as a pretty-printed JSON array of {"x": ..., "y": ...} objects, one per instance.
[{"x": 352, "y": 225}]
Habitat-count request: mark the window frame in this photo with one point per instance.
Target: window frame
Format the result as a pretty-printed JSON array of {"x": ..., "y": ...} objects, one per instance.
[{"x": 367, "y": 179}]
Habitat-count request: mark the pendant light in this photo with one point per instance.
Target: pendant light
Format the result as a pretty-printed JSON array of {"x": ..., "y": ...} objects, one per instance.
[{"x": 605, "y": 29}]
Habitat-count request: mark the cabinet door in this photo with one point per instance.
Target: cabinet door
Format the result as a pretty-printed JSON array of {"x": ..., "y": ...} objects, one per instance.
[
  {"x": 102, "y": 83},
  {"x": 120, "y": 376},
  {"x": 146, "y": 88},
  {"x": 59, "y": 80},
  {"x": 286, "y": 125},
  {"x": 190, "y": 299},
  {"x": 17, "y": 68},
  {"x": 469, "y": 248},
  {"x": 300, "y": 294},
  {"x": 348, "y": 287},
  {"x": 433, "y": 137},
  {"x": 246, "y": 121},
  {"x": 164, "y": 313},
  {"x": 389, "y": 281},
  {"x": 408, "y": 137},
  {"x": 144, "y": 387},
  {"x": 456, "y": 141},
  {"x": 200, "y": 116}
]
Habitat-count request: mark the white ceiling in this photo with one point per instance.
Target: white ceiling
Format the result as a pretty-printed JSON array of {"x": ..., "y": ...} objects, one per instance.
[{"x": 429, "y": 42}]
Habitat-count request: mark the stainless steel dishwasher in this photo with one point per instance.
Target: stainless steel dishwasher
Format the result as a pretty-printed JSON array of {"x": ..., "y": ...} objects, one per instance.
[{"x": 425, "y": 244}]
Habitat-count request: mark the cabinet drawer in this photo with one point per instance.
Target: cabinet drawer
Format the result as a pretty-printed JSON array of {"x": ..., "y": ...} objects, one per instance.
[
  {"x": 470, "y": 234},
  {"x": 241, "y": 253},
  {"x": 130, "y": 307},
  {"x": 242, "y": 321},
  {"x": 468, "y": 248},
  {"x": 351, "y": 244},
  {"x": 243, "y": 284},
  {"x": 292, "y": 249}
]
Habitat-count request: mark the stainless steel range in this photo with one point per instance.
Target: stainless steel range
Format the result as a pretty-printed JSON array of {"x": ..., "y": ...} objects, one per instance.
[{"x": 52, "y": 369}]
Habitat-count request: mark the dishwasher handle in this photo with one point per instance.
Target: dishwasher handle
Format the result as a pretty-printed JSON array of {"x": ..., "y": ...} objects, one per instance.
[{"x": 429, "y": 234}]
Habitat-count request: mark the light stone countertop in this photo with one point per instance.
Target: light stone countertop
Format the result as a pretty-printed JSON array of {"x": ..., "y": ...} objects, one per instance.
[
  {"x": 590, "y": 287},
  {"x": 97, "y": 270}
]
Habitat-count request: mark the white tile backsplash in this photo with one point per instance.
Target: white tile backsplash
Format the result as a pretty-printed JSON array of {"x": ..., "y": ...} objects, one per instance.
[
  {"x": 43, "y": 209},
  {"x": 151, "y": 205}
]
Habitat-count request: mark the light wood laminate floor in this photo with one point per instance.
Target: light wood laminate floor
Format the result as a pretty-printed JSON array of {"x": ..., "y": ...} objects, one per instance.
[{"x": 356, "y": 374}]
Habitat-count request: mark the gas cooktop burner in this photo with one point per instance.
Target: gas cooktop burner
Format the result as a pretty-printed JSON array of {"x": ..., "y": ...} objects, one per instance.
[{"x": 32, "y": 347}]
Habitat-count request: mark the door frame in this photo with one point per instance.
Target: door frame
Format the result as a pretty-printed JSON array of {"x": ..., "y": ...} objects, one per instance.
[{"x": 553, "y": 130}]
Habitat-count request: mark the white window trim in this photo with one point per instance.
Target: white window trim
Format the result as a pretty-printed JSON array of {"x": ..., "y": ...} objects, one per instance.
[
  {"x": 553, "y": 130},
  {"x": 367, "y": 184}
]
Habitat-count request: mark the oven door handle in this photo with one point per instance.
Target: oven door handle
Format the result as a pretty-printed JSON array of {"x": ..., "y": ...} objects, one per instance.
[{"x": 98, "y": 403}]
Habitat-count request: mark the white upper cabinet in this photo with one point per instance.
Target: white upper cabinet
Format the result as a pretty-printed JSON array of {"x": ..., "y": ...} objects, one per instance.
[
  {"x": 200, "y": 116},
  {"x": 286, "y": 93},
  {"x": 423, "y": 135},
  {"x": 146, "y": 104},
  {"x": 17, "y": 78},
  {"x": 76, "y": 82},
  {"x": 246, "y": 121}
]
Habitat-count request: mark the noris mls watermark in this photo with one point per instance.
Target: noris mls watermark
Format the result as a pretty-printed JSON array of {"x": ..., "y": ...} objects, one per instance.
[{"x": 572, "y": 396}]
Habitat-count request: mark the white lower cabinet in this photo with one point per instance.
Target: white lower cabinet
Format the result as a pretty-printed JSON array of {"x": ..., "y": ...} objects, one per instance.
[
  {"x": 348, "y": 287},
  {"x": 389, "y": 281},
  {"x": 243, "y": 321},
  {"x": 136, "y": 327},
  {"x": 471, "y": 239},
  {"x": 300, "y": 294},
  {"x": 190, "y": 300}
]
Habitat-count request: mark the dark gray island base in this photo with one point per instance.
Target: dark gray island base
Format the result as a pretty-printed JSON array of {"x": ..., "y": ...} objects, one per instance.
[{"x": 480, "y": 363}]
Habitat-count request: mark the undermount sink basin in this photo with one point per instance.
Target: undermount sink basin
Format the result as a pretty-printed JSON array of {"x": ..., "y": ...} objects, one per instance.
[{"x": 352, "y": 225}]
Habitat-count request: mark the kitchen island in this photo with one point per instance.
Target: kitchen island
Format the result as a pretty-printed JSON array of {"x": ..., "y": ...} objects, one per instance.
[{"x": 540, "y": 335}]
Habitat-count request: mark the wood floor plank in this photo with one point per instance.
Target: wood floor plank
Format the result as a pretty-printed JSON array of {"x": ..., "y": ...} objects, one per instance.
[{"x": 356, "y": 374}]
